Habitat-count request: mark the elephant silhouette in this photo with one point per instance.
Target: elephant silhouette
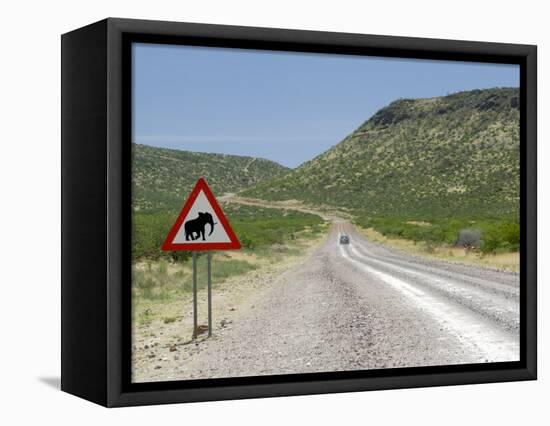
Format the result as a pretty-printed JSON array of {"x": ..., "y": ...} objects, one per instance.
[{"x": 194, "y": 228}]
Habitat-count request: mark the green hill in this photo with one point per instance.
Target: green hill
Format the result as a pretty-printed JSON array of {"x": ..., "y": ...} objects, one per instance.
[
  {"x": 447, "y": 157},
  {"x": 162, "y": 178}
]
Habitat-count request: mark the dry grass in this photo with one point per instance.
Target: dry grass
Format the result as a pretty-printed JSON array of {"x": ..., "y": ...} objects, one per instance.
[
  {"x": 418, "y": 223},
  {"x": 159, "y": 287},
  {"x": 503, "y": 261}
]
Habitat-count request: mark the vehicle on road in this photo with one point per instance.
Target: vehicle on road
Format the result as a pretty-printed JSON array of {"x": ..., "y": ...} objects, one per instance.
[{"x": 344, "y": 239}]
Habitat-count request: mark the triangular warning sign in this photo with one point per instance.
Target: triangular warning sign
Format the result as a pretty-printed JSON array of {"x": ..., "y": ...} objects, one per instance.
[{"x": 201, "y": 224}]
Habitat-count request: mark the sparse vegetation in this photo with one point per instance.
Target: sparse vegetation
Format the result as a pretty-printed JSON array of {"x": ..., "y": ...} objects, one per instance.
[
  {"x": 488, "y": 236},
  {"x": 162, "y": 178},
  {"x": 262, "y": 227},
  {"x": 266, "y": 235},
  {"x": 508, "y": 261},
  {"x": 256, "y": 227},
  {"x": 152, "y": 285},
  {"x": 451, "y": 161},
  {"x": 442, "y": 173}
]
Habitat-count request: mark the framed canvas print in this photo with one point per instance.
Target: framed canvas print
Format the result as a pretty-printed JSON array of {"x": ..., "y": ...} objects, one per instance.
[{"x": 253, "y": 212}]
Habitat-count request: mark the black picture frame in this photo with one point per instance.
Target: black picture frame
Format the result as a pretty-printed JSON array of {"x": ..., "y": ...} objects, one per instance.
[{"x": 96, "y": 132}]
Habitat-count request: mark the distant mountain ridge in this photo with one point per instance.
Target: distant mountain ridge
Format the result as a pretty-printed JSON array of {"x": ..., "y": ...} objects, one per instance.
[
  {"x": 456, "y": 156},
  {"x": 162, "y": 178}
]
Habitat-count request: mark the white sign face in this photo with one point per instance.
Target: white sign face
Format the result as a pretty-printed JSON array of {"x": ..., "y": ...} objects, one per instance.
[{"x": 201, "y": 225}]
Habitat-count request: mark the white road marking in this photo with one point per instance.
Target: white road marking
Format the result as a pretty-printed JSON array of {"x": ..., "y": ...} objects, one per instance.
[{"x": 486, "y": 341}]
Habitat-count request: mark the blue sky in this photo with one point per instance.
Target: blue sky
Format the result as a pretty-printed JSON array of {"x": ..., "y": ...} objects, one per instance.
[{"x": 287, "y": 107}]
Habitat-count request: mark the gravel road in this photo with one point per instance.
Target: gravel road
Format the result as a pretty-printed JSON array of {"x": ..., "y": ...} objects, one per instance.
[{"x": 361, "y": 306}]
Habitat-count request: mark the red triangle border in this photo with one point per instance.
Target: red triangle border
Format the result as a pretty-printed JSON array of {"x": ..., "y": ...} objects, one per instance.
[{"x": 169, "y": 245}]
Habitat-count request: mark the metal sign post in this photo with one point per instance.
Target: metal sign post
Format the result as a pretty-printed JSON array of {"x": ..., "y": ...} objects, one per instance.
[
  {"x": 209, "y": 294},
  {"x": 195, "y": 302},
  {"x": 195, "y": 326},
  {"x": 201, "y": 225}
]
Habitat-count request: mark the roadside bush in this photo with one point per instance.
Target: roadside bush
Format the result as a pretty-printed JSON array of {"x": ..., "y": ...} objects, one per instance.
[
  {"x": 488, "y": 235},
  {"x": 255, "y": 227},
  {"x": 469, "y": 238},
  {"x": 501, "y": 237}
]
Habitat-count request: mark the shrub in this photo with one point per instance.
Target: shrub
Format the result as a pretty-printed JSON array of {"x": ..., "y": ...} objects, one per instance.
[
  {"x": 501, "y": 237},
  {"x": 469, "y": 238},
  {"x": 489, "y": 235},
  {"x": 255, "y": 227}
]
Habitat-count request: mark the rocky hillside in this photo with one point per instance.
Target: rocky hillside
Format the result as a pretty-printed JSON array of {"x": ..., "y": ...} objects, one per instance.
[
  {"x": 162, "y": 178},
  {"x": 452, "y": 156}
]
